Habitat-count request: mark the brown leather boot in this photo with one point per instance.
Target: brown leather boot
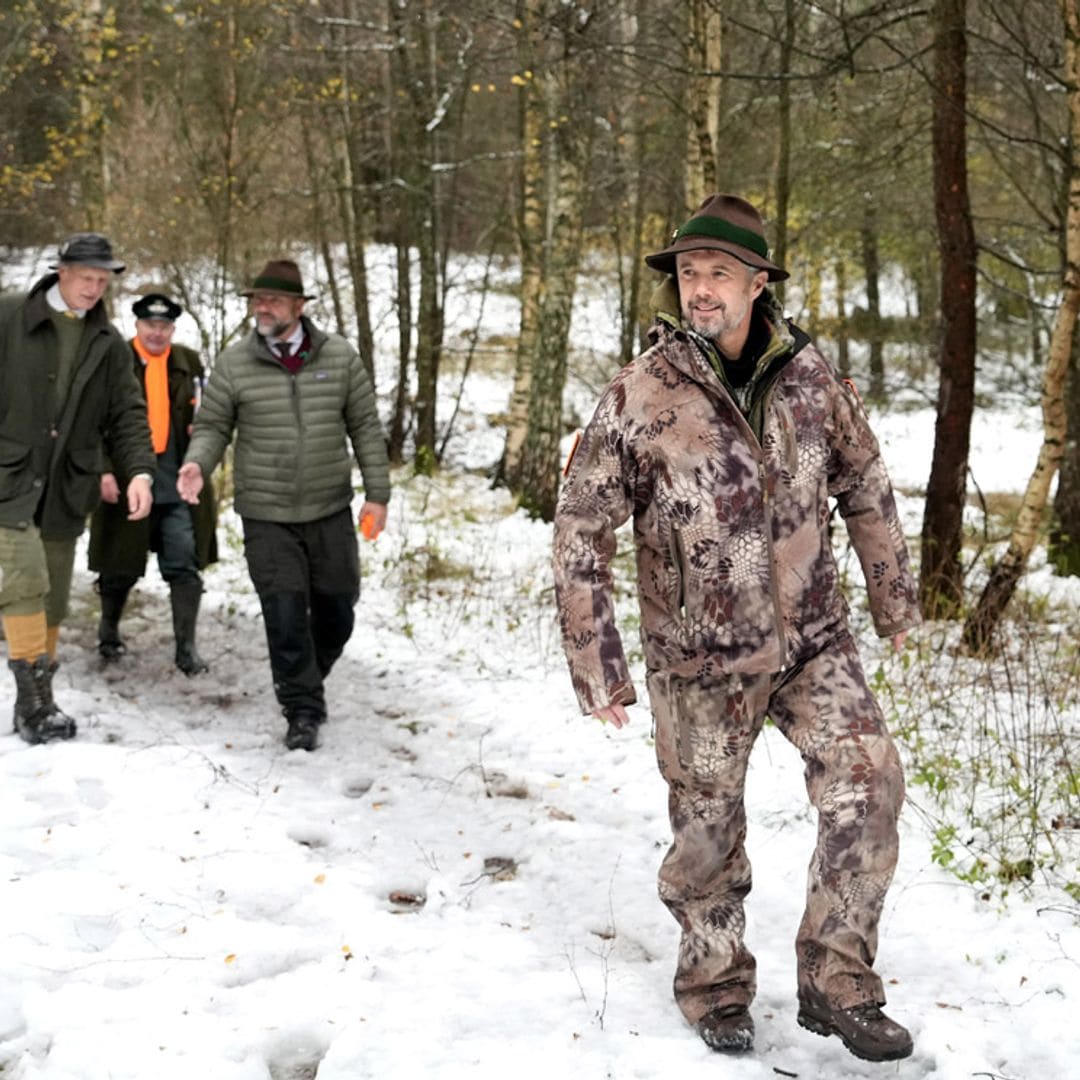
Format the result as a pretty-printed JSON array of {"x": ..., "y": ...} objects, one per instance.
[{"x": 864, "y": 1029}]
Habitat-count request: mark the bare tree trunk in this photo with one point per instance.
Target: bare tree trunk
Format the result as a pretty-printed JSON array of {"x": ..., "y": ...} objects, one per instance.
[
  {"x": 540, "y": 457},
  {"x": 353, "y": 201},
  {"x": 872, "y": 271},
  {"x": 941, "y": 575},
  {"x": 843, "y": 350},
  {"x": 414, "y": 29},
  {"x": 1065, "y": 536},
  {"x": 783, "y": 146},
  {"x": 704, "y": 53},
  {"x": 530, "y": 233},
  {"x": 983, "y": 620}
]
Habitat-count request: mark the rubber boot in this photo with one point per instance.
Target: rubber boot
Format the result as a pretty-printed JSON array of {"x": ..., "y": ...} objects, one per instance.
[
  {"x": 185, "y": 595},
  {"x": 110, "y": 647},
  {"x": 37, "y": 717}
]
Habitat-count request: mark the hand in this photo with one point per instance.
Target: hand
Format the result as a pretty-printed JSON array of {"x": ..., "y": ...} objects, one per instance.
[
  {"x": 139, "y": 498},
  {"x": 615, "y": 714},
  {"x": 189, "y": 482},
  {"x": 898, "y": 640},
  {"x": 372, "y": 519},
  {"x": 110, "y": 489}
]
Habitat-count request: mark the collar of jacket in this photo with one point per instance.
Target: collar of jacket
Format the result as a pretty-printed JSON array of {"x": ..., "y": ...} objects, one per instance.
[
  {"x": 785, "y": 340},
  {"x": 37, "y": 310},
  {"x": 314, "y": 335}
]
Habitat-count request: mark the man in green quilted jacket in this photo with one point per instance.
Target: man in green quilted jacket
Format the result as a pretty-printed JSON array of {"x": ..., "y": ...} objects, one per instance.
[{"x": 296, "y": 398}]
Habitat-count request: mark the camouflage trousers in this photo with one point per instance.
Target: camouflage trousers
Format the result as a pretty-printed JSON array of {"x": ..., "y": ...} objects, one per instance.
[{"x": 704, "y": 734}]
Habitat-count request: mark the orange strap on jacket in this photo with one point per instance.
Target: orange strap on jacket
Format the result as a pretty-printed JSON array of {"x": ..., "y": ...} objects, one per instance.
[{"x": 157, "y": 395}]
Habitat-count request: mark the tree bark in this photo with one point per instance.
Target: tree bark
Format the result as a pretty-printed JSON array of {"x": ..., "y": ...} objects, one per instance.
[
  {"x": 1004, "y": 577},
  {"x": 941, "y": 574},
  {"x": 530, "y": 238},
  {"x": 1065, "y": 536},
  {"x": 872, "y": 273},
  {"x": 704, "y": 52}
]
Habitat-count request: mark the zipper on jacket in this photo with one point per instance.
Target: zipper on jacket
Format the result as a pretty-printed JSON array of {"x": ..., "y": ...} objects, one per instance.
[
  {"x": 778, "y": 620},
  {"x": 678, "y": 555}
]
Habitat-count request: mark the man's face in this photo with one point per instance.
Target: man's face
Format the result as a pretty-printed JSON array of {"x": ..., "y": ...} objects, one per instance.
[
  {"x": 275, "y": 315},
  {"x": 716, "y": 292},
  {"x": 155, "y": 335},
  {"x": 82, "y": 286}
]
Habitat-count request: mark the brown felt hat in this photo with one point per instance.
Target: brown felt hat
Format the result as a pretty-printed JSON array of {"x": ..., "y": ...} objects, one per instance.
[
  {"x": 281, "y": 276},
  {"x": 721, "y": 223}
]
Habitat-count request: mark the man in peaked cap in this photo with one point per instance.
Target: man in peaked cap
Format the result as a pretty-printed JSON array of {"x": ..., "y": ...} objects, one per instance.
[
  {"x": 725, "y": 442},
  {"x": 296, "y": 398},
  {"x": 65, "y": 385},
  {"x": 183, "y": 537}
]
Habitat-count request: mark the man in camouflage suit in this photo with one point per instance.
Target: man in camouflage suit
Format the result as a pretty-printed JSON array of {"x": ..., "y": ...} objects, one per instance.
[{"x": 725, "y": 442}]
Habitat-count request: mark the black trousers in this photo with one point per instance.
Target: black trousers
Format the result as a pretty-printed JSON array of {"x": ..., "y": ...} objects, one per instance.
[{"x": 307, "y": 577}]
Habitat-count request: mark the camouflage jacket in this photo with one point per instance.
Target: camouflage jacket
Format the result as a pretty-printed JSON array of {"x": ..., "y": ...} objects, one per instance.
[{"x": 735, "y": 571}]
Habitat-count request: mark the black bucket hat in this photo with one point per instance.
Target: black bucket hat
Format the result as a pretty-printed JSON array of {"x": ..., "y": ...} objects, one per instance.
[
  {"x": 721, "y": 223},
  {"x": 88, "y": 249}
]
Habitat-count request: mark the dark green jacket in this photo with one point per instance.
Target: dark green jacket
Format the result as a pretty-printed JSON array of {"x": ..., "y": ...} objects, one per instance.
[
  {"x": 51, "y": 456},
  {"x": 292, "y": 460},
  {"x": 119, "y": 546}
]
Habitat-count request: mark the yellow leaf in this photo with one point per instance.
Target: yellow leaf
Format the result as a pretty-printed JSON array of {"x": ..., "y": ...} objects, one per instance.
[
  {"x": 320, "y": 879},
  {"x": 230, "y": 958}
]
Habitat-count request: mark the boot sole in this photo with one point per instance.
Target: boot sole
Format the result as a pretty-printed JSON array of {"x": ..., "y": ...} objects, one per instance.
[{"x": 825, "y": 1028}]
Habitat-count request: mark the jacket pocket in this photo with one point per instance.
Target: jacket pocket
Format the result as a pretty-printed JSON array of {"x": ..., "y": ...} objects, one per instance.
[
  {"x": 678, "y": 560},
  {"x": 15, "y": 478},
  {"x": 787, "y": 448},
  {"x": 82, "y": 479}
]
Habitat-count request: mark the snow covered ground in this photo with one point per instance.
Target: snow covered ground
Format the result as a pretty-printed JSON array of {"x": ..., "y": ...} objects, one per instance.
[{"x": 461, "y": 881}]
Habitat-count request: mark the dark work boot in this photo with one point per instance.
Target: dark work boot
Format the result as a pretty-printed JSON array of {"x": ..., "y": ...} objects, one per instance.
[
  {"x": 864, "y": 1029},
  {"x": 110, "y": 647},
  {"x": 303, "y": 733},
  {"x": 185, "y": 595},
  {"x": 37, "y": 717},
  {"x": 727, "y": 1029}
]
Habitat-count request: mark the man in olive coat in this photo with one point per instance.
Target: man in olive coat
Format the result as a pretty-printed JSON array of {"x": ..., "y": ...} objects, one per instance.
[
  {"x": 297, "y": 398},
  {"x": 183, "y": 536},
  {"x": 65, "y": 381}
]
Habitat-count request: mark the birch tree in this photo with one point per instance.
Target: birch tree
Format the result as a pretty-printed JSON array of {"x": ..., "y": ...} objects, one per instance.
[{"x": 981, "y": 623}]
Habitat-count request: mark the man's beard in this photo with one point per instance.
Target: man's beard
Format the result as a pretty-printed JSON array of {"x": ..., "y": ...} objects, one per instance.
[
  {"x": 717, "y": 322},
  {"x": 269, "y": 327}
]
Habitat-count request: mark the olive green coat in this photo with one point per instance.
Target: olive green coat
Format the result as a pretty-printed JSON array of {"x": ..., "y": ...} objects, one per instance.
[{"x": 51, "y": 454}]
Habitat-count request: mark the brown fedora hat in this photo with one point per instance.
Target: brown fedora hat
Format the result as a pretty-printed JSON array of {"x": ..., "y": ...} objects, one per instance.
[
  {"x": 721, "y": 223},
  {"x": 281, "y": 276}
]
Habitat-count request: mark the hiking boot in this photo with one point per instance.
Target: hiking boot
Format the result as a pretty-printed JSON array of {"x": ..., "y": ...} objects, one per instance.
[
  {"x": 864, "y": 1029},
  {"x": 727, "y": 1029},
  {"x": 38, "y": 719},
  {"x": 303, "y": 733}
]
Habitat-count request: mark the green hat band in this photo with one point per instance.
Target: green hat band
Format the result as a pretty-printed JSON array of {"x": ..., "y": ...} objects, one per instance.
[
  {"x": 719, "y": 229},
  {"x": 277, "y": 285}
]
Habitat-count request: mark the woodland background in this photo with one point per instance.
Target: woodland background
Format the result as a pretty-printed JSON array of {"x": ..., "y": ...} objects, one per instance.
[{"x": 927, "y": 151}]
